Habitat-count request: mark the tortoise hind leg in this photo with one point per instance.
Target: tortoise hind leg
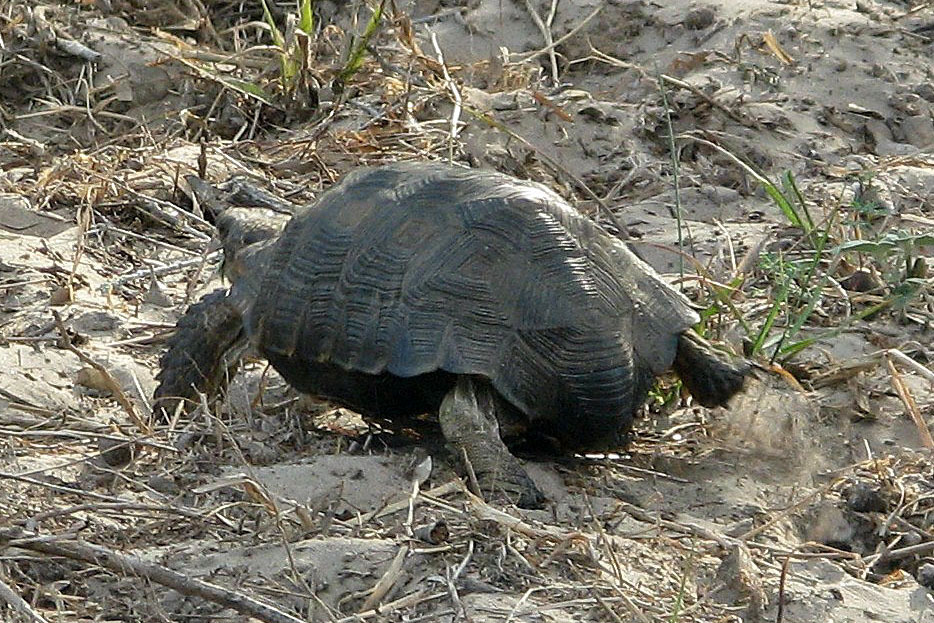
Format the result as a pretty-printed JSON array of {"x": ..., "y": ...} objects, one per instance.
[
  {"x": 710, "y": 376},
  {"x": 203, "y": 353},
  {"x": 469, "y": 423}
]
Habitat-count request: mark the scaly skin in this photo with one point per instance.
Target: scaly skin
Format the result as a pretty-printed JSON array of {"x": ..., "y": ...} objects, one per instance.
[
  {"x": 711, "y": 377},
  {"x": 203, "y": 354},
  {"x": 469, "y": 421}
]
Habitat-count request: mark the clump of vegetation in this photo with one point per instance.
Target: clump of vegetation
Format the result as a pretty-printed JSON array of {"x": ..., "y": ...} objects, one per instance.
[{"x": 886, "y": 267}]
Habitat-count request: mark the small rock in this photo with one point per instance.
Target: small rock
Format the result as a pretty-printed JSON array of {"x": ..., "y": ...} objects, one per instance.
[
  {"x": 597, "y": 115},
  {"x": 743, "y": 579},
  {"x": 116, "y": 452},
  {"x": 925, "y": 90},
  {"x": 926, "y": 575},
  {"x": 830, "y": 527},
  {"x": 918, "y": 130},
  {"x": 92, "y": 378},
  {"x": 864, "y": 498},
  {"x": 164, "y": 484},
  {"x": 156, "y": 296},
  {"x": 95, "y": 321},
  {"x": 699, "y": 18},
  {"x": 908, "y": 103},
  {"x": 862, "y": 280},
  {"x": 61, "y": 296},
  {"x": 260, "y": 453}
]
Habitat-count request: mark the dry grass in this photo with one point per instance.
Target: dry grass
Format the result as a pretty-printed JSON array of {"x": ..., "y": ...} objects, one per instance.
[{"x": 101, "y": 506}]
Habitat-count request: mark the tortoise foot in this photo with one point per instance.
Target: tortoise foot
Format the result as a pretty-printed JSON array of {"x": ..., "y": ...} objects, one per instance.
[
  {"x": 468, "y": 420},
  {"x": 518, "y": 488}
]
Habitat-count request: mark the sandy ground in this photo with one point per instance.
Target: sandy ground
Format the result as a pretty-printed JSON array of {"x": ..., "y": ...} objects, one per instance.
[{"x": 810, "y": 499}]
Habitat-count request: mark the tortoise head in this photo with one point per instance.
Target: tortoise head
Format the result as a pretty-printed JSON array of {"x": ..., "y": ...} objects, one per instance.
[{"x": 243, "y": 230}]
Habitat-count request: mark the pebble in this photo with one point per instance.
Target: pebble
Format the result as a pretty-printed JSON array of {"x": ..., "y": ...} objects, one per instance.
[
  {"x": 926, "y": 575},
  {"x": 95, "y": 321},
  {"x": 115, "y": 452},
  {"x": 699, "y": 18},
  {"x": 164, "y": 484},
  {"x": 864, "y": 498}
]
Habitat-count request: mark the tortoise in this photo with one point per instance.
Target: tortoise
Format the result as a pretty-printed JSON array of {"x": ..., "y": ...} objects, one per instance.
[{"x": 419, "y": 287}]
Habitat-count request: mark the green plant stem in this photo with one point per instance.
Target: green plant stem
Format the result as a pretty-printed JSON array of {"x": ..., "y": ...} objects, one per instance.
[
  {"x": 675, "y": 172},
  {"x": 358, "y": 51}
]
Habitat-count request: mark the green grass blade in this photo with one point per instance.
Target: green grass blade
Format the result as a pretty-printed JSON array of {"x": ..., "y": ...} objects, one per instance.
[
  {"x": 287, "y": 67},
  {"x": 790, "y": 184},
  {"x": 792, "y": 349},
  {"x": 306, "y": 19},
  {"x": 355, "y": 61},
  {"x": 247, "y": 88},
  {"x": 673, "y": 152},
  {"x": 277, "y": 37},
  {"x": 787, "y": 208},
  {"x": 780, "y": 300}
]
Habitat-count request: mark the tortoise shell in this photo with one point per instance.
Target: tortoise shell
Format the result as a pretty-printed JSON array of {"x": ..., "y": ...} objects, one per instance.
[{"x": 401, "y": 277}]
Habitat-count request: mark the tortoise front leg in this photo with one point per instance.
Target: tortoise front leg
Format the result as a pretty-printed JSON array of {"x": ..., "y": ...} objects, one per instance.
[
  {"x": 468, "y": 421},
  {"x": 203, "y": 353}
]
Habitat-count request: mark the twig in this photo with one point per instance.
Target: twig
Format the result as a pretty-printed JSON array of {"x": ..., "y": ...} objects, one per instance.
[
  {"x": 527, "y": 56},
  {"x": 781, "y": 590},
  {"x": 60, "y": 488},
  {"x": 56, "y": 108},
  {"x": 109, "y": 381},
  {"x": 484, "y": 512},
  {"x": 525, "y": 596},
  {"x": 472, "y": 482},
  {"x": 72, "y": 47},
  {"x": 910, "y": 405},
  {"x": 108, "y": 228},
  {"x": 161, "y": 271},
  {"x": 455, "y": 95},
  {"x": 743, "y": 165},
  {"x": 120, "y": 442},
  {"x": 395, "y": 507},
  {"x": 902, "y": 552},
  {"x": 451, "y": 577},
  {"x": 787, "y": 511},
  {"x": 463, "y": 563},
  {"x": 547, "y": 36},
  {"x": 419, "y": 474},
  {"x": 904, "y": 359},
  {"x": 19, "y": 604},
  {"x": 604, "y": 603},
  {"x": 417, "y": 597},
  {"x": 132, "y": 566},
  {"x": 33, "y": 521},
  {"x": 389, "y": 579},
  {"x": 603, "y": 57},
  {"x": 676, "y": 181},
  {"x": 84, "y": 221},
  {"x": 617, "y": 573},
  {"x": 722, "y": 540},
  {"x": 728, "y": 112}
]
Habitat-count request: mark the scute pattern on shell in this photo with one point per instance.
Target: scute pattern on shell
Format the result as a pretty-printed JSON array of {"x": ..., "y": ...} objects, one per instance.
[{"x": 412, "y": 268}]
